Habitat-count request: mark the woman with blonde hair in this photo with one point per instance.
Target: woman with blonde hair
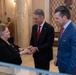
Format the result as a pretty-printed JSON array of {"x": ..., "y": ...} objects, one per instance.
[{"x": 9, "y": 53}]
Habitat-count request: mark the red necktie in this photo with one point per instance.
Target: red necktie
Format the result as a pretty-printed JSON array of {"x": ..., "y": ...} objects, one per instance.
[
  {"x": 61, "y": 32},
  {"x": 38, "y": 33}
]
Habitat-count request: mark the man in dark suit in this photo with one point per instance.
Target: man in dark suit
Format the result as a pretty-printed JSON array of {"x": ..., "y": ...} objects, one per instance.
[
  {"x": 66, "y": 57},
  {"x": 41, "y": 40}
]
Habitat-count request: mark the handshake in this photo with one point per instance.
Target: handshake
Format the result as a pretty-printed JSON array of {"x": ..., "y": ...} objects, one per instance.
[{"x": 30, "y": 50}]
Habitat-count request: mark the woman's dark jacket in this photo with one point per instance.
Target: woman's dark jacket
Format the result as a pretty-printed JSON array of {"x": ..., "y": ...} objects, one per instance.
[{"x": 9, "y": 53}]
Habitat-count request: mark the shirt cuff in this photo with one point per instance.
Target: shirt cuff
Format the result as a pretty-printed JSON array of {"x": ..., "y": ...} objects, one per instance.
[{"x": 37, "y": 49}]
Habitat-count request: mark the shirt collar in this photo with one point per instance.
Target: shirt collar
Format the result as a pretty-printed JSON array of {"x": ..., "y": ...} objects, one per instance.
[
  {"x": 65, "y": 26},
  {"x": 42, "y": 23}
]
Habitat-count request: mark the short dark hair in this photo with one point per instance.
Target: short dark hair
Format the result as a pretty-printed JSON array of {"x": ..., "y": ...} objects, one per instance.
[
  {"x": 64, "y": 11},
  {"x": 39, "y": 12}
]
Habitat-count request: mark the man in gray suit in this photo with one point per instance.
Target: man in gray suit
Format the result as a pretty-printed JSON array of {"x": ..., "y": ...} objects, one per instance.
[{"x": 66, "y": 57}]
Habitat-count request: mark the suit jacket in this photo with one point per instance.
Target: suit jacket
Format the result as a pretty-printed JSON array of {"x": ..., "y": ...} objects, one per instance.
[
  {"x": 44, "y": 43},
  {"x": 66, "y": 59},
  {"x": 11, "y": 28},
  {"x": 9, "y": 54}
]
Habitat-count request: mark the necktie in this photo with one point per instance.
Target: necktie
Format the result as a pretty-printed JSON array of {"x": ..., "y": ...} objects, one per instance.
[
  {"x": 38, "y": 32},
  {"x": 61, "y": 32}
]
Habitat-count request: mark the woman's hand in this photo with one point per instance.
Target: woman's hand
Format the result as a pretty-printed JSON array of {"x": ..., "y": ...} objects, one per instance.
[{"x": 27, "y": 51}]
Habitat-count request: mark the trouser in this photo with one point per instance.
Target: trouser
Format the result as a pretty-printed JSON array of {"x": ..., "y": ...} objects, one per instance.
[{"x": 45, "y": 65}]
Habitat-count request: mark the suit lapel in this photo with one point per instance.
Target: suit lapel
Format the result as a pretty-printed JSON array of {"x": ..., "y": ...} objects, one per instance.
[
  {"x": 35, "y": 32},
  {"x": 65, "y": 32}
]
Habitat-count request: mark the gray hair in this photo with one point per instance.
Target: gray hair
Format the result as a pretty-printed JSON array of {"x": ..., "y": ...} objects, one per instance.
[
  {"x": 39, "y": 12},
  {"x": 2, "y": 29}
]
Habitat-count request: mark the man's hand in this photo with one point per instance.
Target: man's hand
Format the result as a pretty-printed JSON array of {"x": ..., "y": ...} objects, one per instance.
[
  {"x": 55, "y": 61},
  {"x": 33, "y": 49},
  {"x": 27, "y": 51}
]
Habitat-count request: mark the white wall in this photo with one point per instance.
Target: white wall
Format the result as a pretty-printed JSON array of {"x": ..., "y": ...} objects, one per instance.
[
  {"x": 47, "y": 10},
  {"x": 35, "y": 4},
  {"x": 8, "y": 7}
]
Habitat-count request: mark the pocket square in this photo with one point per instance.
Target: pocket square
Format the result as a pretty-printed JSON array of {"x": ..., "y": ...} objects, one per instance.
[{"x": 64, "y": 40}]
